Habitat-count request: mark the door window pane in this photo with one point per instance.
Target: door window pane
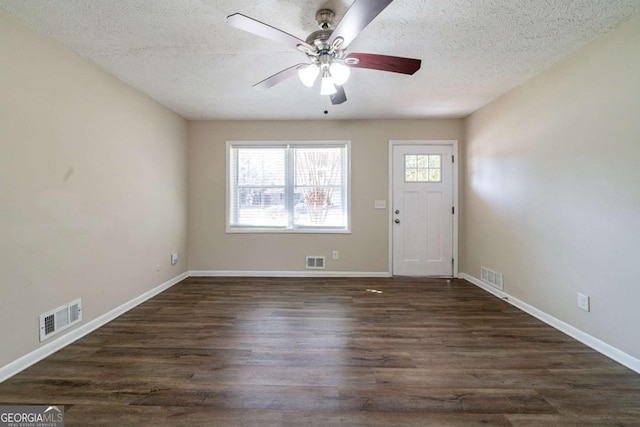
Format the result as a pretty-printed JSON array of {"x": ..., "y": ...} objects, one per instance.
[{"x": 422, "y": 168}]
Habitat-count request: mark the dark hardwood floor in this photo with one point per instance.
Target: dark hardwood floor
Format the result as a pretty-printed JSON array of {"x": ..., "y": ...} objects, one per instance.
[{"x": 267, "y": 351}]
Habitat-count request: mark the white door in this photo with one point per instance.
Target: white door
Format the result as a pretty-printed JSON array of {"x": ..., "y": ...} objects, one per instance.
[{"x": 422, "y": 211}]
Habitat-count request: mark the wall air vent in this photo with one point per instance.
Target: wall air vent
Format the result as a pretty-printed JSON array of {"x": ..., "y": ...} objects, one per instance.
[
  {"x": 492, "y": 278},
  {"x": 60, "y": 319},
  {"x": 315, "y": 263}
]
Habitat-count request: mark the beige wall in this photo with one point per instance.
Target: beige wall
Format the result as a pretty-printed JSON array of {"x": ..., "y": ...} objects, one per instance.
[
  {"x": 92, "y": 187},
  {"x": 364, "y": 250},
  {"x": 552, "y": 189}
]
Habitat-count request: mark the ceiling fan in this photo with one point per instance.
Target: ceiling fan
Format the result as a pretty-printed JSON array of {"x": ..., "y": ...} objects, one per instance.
[{"x": 326, "y": 49}]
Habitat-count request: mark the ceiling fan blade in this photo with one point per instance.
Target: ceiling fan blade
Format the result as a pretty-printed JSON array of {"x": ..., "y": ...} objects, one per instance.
[
  {"x": 278, "y": 77},
  {"x": 339, "y": 97},
  {"x": 395, "y": 64},
  {"x": 359, "y": 15},
  {"x": 261, "y": 29}
]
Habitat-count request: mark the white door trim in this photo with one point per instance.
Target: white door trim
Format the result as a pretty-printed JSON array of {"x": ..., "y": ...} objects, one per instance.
[{"x": 454, "y": 145}]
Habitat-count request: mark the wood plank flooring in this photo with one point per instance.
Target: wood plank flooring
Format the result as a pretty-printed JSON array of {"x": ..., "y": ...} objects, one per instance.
[{"x": 295, "y": 352}]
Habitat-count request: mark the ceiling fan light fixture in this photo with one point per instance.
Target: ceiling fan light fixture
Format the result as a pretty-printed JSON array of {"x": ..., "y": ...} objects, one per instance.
[
  {"x": 340, "y": 73},
  {"x": 308, "y": 74},
  {"x": 327, "y": 87},
  {"x": 326, "y": 49}
]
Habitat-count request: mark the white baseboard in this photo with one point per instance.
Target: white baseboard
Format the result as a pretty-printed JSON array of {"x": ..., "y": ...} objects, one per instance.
[
  {"x": 64, "y": 340},
  {"x": 591, "y": 341},
  {"x": 232, "y": 273}
]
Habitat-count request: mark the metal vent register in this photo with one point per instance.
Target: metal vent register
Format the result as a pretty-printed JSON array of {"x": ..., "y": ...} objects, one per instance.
[
  {"x": 61, "y": 318},
  {"x": 315, "y": 262}
]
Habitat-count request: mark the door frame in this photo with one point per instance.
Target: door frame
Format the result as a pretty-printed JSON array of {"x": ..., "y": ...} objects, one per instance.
[{"x": 454, "y": 145}]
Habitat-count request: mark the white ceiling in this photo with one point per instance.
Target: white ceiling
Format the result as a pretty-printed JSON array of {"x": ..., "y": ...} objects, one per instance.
[{"x": 183, "y": 54}]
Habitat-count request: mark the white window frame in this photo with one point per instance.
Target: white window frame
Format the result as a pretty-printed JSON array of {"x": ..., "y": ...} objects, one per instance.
[{"x": 284, "y": 144}]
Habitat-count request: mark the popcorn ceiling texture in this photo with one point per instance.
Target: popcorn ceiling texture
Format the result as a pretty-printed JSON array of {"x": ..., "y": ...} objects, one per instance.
[{"x": 183, "y": 54}]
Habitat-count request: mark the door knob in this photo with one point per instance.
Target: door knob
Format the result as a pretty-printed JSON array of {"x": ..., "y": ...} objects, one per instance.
[
  {"x": 397, "y": 221},
  {"x": 397, "y": 211}
]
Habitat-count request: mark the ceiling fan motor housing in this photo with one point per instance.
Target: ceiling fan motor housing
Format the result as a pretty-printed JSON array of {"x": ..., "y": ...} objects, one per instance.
[{"x": 320, "y": 39}]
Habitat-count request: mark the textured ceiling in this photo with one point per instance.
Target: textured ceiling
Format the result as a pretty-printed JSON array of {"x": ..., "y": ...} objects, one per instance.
[{"x": 183, "y": 54}]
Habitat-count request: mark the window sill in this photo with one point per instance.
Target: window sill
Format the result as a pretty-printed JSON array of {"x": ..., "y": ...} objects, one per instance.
[{"x": 258, "y": 230}]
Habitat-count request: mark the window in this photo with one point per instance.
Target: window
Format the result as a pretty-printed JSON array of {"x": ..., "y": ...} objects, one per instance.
[
  {"x": 422, "y": 168},
  {"x": 288, "y": 187}
]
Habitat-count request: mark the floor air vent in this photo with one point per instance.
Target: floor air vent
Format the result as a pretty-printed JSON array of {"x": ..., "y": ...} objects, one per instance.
[
  {"x": 315, "y": 262},
  {"x": 60, "y": 319},
  {"x": 490, "y": 277}
]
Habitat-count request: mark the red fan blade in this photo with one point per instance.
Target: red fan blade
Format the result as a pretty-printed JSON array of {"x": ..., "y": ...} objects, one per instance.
[
  {"x": 339, "y": 97},
  {"x": 395, "y": 64},
  {"x": 278, "y": 77},
  {"x": 261, "y": 29},
  {"x": 359, "y": 15}
]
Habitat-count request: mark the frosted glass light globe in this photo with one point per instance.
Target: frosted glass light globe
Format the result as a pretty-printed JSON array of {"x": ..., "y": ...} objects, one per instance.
[
  {"x": 340, "y": 73},
  {"x": 328, "y": 87},
  {"x": 308, "y": 74}
]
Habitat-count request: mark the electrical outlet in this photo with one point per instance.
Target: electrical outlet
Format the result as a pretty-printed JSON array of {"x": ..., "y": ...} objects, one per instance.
[
  {"x": 584, "y": 302},
  {"x": 174, "y": 258},
  {"x": 335, "y": 255}
]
